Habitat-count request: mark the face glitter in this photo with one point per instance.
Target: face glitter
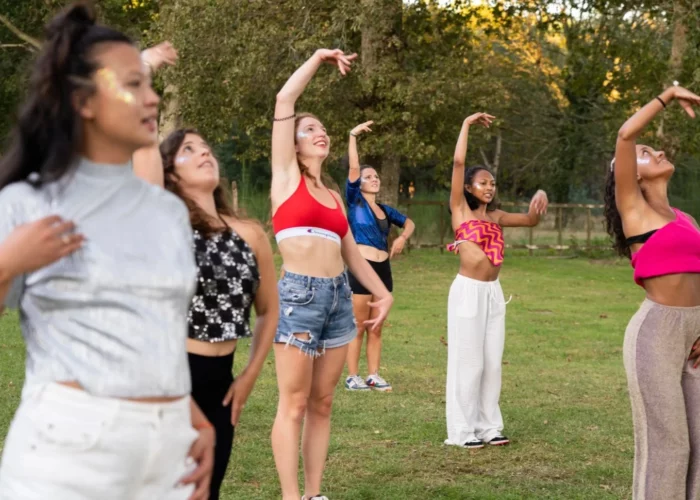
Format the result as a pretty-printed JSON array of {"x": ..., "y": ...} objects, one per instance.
[
  {"x": 302, "y": 135},
  {"x": 110, "y": 78}
]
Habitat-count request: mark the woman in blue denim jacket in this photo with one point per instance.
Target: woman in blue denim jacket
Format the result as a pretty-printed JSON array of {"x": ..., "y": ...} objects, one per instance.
[{"x": 370, "y": 223}]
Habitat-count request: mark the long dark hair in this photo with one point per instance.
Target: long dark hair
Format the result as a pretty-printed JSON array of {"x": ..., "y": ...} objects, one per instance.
[
  {"x": 613, "y": 220},
  {"x": 198, "y": 217},
  {"x": 46, "y": 138},
  {"x": 472, "y": 200}
]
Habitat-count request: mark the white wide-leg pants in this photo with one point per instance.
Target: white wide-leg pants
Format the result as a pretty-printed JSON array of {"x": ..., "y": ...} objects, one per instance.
[{"x": 476, "y": 321}]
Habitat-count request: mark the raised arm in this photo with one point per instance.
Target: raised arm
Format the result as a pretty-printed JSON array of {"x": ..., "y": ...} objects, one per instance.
[
  {"x": 628, "y": 195},
  {"x": 284, "y": 160},
  {"x": 147, "y": 162},
  {"x": 353, "y": 156},
  {"x": 538, "y": 207},
  {"x": 458, "y": 204}
]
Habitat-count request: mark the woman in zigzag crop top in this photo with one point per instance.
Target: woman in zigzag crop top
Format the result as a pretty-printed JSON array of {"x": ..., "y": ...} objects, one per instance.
[
  {"x": 661, "y": 349},
  {"x": 370, "y": 223},
  {"x": 476, "y": 306},
  {"x": 316, "y": 316}
]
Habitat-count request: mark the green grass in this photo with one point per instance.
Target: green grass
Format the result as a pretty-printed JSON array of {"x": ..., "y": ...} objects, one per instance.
[{"x": 564, "y": 398}]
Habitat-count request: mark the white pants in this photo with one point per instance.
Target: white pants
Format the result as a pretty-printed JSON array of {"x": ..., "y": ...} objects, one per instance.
[
  {"x": 65, "y": 444},
  {"x": 476, "y": 325}
]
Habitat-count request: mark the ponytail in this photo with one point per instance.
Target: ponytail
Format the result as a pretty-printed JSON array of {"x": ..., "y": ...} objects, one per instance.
[
  {"x": 46, "y": 138},
  {"x": 613, "y": 220}
]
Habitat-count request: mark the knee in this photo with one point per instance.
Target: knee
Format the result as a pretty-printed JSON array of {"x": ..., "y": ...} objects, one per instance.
[
  {"x": 321, "y": 405},
  {"x": 293, "y": 407},
  {"x": 375, "y": 334}
]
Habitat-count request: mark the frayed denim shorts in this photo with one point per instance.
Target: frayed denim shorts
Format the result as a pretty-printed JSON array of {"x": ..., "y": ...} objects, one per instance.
[{"x": 315, "y": 313}]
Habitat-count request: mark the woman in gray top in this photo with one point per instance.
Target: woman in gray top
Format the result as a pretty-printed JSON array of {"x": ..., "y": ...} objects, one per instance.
[{"x": 105, "y": 409}]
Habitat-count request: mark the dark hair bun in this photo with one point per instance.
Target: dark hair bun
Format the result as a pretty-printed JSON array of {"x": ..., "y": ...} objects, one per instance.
[{"x": 72, "y": 22}]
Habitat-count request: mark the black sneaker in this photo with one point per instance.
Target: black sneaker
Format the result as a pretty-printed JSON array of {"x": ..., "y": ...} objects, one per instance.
[
  {"x": 474, "y": 444},
  {"x": 499, "y": 441}
]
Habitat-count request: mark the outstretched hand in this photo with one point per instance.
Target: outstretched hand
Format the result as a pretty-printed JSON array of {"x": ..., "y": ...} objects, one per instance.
[
  {"x": 362, "y": 127},
  {"x": 480, "y": 118},
  {"x": 539, "y": 202},
  {"x": 695, "y": 353},
  {"x": 34, "y": 245},
  {"x": 158, "y": 55},
  {"x": 337, "y": 57},
  {"x": 686, "y": 99},
  {"x": 382, "y": 305}
]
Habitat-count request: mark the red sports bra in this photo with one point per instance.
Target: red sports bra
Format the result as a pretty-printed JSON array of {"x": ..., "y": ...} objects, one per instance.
[{"x": 302, "y": 215}]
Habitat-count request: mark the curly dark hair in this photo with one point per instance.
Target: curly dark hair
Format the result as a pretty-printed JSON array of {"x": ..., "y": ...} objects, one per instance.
[
  {"x": 613, "y": 220},
  {"x": 198, "y": 218},
  {"x": 45, "y": 141}
]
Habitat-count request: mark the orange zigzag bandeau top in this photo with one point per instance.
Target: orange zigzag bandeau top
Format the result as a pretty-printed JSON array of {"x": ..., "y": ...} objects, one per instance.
[{"x": 488, "y": 235}]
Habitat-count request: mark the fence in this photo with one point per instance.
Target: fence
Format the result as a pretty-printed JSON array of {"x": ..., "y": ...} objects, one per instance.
[{"x": 566, "y": 226}]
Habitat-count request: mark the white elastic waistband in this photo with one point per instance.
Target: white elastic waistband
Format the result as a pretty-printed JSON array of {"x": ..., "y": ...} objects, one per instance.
[{"x": 307, "y": 231}]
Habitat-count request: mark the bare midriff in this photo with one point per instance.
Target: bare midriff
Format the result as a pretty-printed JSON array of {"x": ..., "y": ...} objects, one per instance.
[
  {"x": 153, "y": 399},
  {"x": 311, "y": 256},
  {"x": 373, "y": 254},
  {"x": 474, "y": 264},
  {"x": 211, "y": 349},
  {"x": 675, "y": 290}
]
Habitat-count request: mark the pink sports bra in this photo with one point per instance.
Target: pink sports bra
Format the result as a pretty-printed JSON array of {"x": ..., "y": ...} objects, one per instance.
[
  {"x": 488, "y": 235},
  {"x": 673, "y": 249}
]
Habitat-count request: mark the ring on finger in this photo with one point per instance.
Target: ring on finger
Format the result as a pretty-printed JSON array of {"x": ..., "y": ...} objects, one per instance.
[{"x": 65, "y": 239}]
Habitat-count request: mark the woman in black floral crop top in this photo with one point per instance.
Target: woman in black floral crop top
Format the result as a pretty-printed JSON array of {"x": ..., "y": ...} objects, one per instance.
[{"x": 236, "y": 272}]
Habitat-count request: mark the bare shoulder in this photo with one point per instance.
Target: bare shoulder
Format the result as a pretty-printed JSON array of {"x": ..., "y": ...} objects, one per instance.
[
  {"x": 250, "y": 230},
  {"x": 496, "y": 215},
  {"x": 691, "y": 218}
]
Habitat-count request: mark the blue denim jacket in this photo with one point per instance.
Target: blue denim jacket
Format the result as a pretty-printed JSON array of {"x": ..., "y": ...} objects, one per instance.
[{"x": 364, "y": 224}]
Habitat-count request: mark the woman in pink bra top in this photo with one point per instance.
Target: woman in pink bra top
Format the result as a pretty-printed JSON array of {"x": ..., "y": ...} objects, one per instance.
[
  {"x": 476, "y": 307},
  {"x": 664, "y": 245},
  {"x": 315, "y": 299}
]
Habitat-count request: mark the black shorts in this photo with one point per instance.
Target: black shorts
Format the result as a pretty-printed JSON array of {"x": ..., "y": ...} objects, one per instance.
[{"x": 383, "y": 270}]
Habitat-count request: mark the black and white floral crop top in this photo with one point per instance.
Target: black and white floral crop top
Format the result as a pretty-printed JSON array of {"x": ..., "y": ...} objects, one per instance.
[{"x": 226, "y": 286}]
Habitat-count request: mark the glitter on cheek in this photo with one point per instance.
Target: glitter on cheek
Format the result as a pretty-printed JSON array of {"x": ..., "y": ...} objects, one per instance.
[
  {"x": 302, "y": 135},
  {"x": 109, "y": 77},
  {"x": 643, "y": 161},
  {"x": 180, "y": 160}
]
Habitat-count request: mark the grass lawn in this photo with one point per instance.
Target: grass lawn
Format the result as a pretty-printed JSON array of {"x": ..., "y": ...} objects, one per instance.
[{"x": 564, "y": 398}]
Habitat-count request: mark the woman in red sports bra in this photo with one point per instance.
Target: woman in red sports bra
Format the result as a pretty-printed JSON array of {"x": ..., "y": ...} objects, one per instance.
[
  {"x": 476, "y": 307},
  {"x": 315, "y": 299},
  {"x": 664, "y": 245}
]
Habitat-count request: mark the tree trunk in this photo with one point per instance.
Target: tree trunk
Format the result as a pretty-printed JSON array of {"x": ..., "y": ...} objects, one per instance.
[
  {"x": 675, "y": 63},
  {"x": 380, "y": 22},
  {"x": 170, "y": 117},
  {"x": 390, "y": 172}
]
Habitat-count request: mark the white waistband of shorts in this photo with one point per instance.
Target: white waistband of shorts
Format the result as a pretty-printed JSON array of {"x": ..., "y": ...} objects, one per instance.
[{"x": 307, "y": 231}]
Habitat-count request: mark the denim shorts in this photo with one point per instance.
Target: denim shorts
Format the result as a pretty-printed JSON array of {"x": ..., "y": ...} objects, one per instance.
[{"x": 321, "y": 307}]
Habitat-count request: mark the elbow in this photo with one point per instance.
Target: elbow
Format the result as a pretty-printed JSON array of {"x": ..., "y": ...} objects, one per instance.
[
  {"x": 284, "y": 97},
  {"x": 624, "y": 134},
  {"x": 458, "y": 163}
]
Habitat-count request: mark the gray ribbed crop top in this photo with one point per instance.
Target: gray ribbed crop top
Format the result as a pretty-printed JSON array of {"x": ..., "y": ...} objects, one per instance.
[{"x": 112, "y": 316}]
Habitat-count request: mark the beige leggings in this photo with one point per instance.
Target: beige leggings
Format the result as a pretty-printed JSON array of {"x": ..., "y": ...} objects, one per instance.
[{"x": 665, "y": 394}]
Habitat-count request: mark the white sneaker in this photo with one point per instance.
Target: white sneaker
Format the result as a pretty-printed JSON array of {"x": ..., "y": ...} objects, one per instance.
[
  {"x": 378, "y": 383},
  {"x": 355, "y": 383}
]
